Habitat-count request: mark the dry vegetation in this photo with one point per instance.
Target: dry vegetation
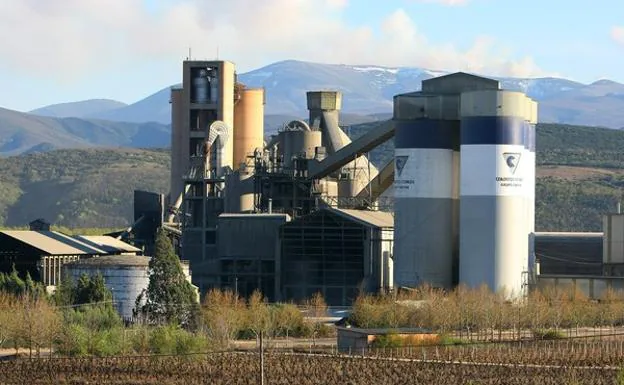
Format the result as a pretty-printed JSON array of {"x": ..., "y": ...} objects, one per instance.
[
  {"x": 480, "y": 315},
  {"x": 231, "y": 368},
  {"x": 473, "y": 317}
]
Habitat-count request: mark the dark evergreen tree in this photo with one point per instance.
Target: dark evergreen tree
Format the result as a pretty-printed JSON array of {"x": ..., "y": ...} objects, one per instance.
[{"x": 170, "y": 298}]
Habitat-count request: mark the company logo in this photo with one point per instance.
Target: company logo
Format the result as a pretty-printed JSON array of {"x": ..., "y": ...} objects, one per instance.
[
  {"x": 399, "y": 163},
  {"x": 512, "y": 159}
]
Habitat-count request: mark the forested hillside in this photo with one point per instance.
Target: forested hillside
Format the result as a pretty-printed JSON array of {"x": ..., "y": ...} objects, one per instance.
[{"x": 580, "y": 176}]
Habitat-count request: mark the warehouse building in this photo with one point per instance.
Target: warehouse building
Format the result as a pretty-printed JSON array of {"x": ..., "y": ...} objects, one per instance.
[
  {"x": 248, "y": 246},
  {"x": 337, "y": 252},
  {"x": 42, "y": 253}
]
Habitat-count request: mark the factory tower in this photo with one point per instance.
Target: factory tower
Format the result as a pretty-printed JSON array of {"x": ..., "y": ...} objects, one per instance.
[{"x": 464, "y": 184}]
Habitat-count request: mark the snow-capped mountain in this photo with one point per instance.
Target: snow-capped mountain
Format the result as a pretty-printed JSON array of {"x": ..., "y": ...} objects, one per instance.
[{"x": 368, "y": 89}]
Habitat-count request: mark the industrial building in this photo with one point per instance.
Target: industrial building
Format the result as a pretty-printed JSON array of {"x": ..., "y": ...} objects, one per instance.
[
  {"x": 338, "y": 253},
  {"x": 43, "y": 253},
  {"x": 298, "y": 212},
  {"x": 229, "y": 185}
]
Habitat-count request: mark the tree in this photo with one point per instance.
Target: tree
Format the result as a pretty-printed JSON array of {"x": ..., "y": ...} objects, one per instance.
[
  {"x": 170, "y": 298},
  {"x": 223, "y": 315},
  {"x": 86, "y": 290}
]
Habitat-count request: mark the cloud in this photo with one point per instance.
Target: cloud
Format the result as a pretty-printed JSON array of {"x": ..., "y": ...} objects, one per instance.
[
  {"x": 70, "y": 40},
  {"x": 617, "y": 34}
]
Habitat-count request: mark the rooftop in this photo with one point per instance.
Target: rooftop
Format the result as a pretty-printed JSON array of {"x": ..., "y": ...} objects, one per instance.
[
  {"x": 380, "y": 219},
  {"x": 107, "y": 243},
  {"x": 52, "y": 242},
  {"x": 382, "y": 331},
  {"x": 55, "y": 243}
]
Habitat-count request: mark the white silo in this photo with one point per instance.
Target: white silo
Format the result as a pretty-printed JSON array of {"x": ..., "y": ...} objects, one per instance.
[
  {"x": 495, "y": 177},
  {"x": 425, "y": 189},
  {"x": 126, "y": 276}
]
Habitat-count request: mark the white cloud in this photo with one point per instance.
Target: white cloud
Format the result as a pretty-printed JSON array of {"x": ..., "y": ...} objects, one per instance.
[
  {"x": 617, "y": 34},
  {"x": 83, "y": 37}
]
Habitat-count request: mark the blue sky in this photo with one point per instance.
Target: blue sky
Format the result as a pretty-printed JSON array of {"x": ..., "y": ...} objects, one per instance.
[{"x": 127, "y": 49}]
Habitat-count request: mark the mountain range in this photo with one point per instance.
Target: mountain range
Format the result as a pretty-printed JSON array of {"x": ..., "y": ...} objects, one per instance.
[
  {"x": 367, "y": 96},
  {"x": 369, "y": 89}
]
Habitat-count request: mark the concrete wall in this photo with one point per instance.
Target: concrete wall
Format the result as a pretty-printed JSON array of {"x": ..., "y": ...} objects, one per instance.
[{"x": 593, "y": 287}]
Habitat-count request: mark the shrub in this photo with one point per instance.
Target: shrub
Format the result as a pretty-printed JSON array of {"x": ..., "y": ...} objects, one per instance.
[
  {"x": 547, "y": 334},
  {"x": 388, "y": 340}
]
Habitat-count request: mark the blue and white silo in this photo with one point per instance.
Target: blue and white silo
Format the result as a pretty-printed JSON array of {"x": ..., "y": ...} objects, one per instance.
[
  {"x": 495, "y": 180},
  {"x": 426, "y": 189}
]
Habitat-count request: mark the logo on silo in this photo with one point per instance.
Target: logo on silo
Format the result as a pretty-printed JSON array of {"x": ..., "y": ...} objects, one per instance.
[
  {"x": 400, "y": 162},
  {"x": 512, "y": 159}
]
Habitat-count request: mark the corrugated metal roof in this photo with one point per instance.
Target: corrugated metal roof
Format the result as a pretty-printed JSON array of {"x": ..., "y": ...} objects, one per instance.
[
  {"x": 381, "y": 219},
  {"x": 381, "y": 331},
  {"x": 106, "y": 243},
  {"x": 53, "y": 243}
]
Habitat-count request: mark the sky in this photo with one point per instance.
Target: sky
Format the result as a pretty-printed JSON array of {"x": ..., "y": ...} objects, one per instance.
[{"x": 70, "y": 50}]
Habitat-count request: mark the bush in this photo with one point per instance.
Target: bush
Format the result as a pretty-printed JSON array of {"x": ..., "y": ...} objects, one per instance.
[
  {"x": 547, "y": 334},
  {"x": 389, "y": 340}
]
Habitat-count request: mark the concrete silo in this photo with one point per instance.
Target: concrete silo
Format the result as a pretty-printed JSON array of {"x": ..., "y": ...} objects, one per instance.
[
  {"x": 248, "y": 123},
  {"x": 426, "y": 189},
  {"x": 495, "y": 178},
  {"x": 126, "y": 276}
]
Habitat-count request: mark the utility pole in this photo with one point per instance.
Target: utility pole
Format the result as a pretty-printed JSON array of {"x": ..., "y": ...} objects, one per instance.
[{"x": 261, "y": 359}]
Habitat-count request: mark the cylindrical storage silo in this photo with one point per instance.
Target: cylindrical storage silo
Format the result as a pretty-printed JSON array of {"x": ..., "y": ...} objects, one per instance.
[
  {"x": 298, "y": 143},
  {"x": 201, "y": 86},
  {"x": 493, "y": 189},
  {"x": 239, "y": 192},
  {"x": 425, "y": 188},
  {"x": 126, "y": 276},
  {"x": 248, "y": 124}
]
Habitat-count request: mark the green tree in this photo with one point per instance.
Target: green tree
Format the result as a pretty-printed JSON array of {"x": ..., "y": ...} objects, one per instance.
[
  {"x": 86, "y": 290},
  {"x": 170, "y": 298}
]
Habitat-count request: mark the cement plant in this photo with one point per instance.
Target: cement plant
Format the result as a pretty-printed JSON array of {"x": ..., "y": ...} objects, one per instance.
[{"x": 305, "y": 211}]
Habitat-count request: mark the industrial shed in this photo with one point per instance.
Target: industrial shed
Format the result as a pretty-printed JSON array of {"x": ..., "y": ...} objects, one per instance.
[
  {"x": 569, "y": 253},
  {"x": 337, "y": 252},
  {"x": 248, "y": 246},
  {"x": 350, "y": 339},
  {"x": 42, "y": 253}
]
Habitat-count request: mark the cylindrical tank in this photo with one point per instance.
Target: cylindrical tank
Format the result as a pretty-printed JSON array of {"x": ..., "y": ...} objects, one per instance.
[
  {"x": 493, "y": 189},
  {"x": 126, "y": 276},
  {"x": 239, "y": 195},
  {"x": 201, "y": 87},
  {"x": 248, "y": 124},
  {"x": 214, "y": 86},
  {"x": 425, "y": 188},
  {"x": 298, "y": 143},
  {"x": 176, "y": 183}
]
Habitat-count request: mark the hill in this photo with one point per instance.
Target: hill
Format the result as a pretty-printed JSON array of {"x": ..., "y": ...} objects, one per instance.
[
  {"x": 580, "y": 177},
  {"x": 78, "y": 109},
  {"x": 79, "y": 188},
  {"x": 369, "y": 89},
  {"x": 26, "y": 133}
]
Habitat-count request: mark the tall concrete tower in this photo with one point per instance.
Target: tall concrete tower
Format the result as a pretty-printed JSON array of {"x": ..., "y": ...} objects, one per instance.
[
  {"x": 426, "y": 180},
  {"x": 202, "y": 149},
  {"x": 495, "y": 183}
]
